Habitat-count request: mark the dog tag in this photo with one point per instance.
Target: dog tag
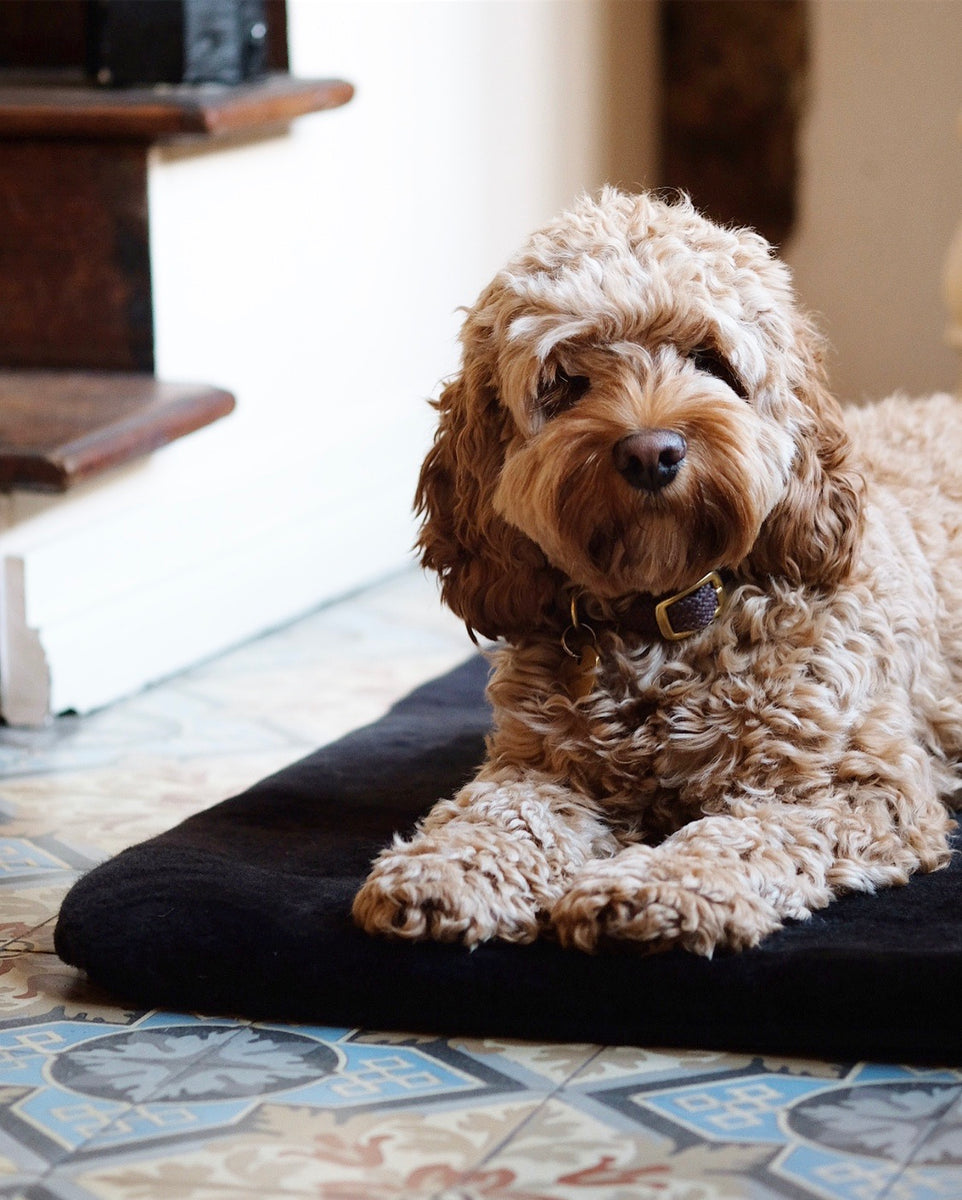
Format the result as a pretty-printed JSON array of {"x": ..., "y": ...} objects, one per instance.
[{"x": 579, "y": 672}]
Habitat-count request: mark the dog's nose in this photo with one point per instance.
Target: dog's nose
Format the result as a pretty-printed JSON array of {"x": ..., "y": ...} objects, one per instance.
[{"x": 650, "y": 458}]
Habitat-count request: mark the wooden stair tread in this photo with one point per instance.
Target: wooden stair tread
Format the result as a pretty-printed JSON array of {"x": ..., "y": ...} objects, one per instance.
[
  {"x": 49, "y": 108},
  {"x": 60, "y": 427}
]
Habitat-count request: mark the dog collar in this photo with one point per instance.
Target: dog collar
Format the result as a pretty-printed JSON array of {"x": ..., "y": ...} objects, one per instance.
[
  {"x": 673, "y": 617},
  {"x": 679, "y": 615}
]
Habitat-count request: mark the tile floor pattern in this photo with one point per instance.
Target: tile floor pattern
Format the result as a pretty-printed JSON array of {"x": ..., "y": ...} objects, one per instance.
[{"x": 100, "y": 1102}]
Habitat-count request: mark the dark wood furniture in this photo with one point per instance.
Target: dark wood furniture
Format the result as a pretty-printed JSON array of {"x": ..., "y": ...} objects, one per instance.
[{"x": 75, "y": 262}]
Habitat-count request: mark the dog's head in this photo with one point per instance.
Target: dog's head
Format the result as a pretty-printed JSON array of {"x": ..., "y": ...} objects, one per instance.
[{"x": 640, "y": 403}]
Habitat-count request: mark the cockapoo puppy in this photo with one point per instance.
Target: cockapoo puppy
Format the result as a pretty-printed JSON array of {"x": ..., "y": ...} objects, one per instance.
[{"x": 729, "y": 614}]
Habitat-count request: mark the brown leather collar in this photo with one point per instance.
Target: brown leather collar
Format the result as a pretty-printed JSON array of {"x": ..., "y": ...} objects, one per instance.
[
  {"x": 679, "y": 615},
  {"x": 675, "y": 616}
]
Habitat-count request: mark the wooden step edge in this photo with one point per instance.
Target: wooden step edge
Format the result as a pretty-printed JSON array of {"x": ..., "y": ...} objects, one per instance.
[
  {"x": 63, "y": 428},
  {"x": 163, "y": 112}
]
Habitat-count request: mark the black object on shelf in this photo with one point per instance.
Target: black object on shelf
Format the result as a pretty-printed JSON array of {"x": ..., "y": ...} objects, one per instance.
[{"x": 176, "y": 41}]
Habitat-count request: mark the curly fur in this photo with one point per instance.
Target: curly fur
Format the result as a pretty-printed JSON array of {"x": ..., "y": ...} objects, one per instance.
[{"x": 803, "y": 744}]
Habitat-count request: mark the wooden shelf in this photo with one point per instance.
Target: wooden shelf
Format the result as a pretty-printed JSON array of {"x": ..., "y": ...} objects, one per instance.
[
  {"x": 58, "y": 106},
  {"x": 60, "y": 427}
]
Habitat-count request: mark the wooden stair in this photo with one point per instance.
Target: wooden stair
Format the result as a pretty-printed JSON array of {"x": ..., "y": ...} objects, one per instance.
[
  {"x": 58, "y": 428},
  {"x": 77, "y": 389}
]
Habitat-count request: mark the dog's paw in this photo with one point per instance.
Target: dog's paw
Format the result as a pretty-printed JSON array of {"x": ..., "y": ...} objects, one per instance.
[
  {"x": 609, "y": 904},
  {"x": 434, "y": 896}
]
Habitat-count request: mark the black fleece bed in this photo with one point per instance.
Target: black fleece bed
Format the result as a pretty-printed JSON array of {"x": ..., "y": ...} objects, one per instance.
[{"x": 244, "y": 910}]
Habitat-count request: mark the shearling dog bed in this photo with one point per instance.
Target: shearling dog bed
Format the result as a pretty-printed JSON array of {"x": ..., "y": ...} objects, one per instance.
[{"x": 245, "y": 910}]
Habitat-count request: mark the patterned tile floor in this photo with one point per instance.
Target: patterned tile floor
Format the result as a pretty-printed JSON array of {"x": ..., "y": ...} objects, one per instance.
[{"x": 96, "y": 1101}]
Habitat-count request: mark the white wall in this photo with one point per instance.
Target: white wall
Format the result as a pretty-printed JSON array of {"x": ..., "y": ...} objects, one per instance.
[
  {"x": 881, "y": 189},
  {"x": 317, "y": 275}
]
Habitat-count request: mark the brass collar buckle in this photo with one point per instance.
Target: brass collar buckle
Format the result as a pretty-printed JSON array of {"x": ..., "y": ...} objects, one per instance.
[{"x": 700, "y": 617}]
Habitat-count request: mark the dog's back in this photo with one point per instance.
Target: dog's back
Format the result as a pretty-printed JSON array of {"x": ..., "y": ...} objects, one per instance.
[{"x": 911, "y": 452}]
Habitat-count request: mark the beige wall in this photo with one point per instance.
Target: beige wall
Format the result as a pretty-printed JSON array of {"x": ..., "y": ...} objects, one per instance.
[{"x": 881, "y": 189}]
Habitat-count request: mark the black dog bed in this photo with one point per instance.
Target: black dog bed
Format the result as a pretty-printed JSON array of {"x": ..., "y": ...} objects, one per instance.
[{"x": 244, "y": 910}]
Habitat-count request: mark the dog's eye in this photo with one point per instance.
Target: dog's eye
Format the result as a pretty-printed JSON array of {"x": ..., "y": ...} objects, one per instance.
[
  {"x": 562, "y": 392},
  {"x": 709, "y": 360}
]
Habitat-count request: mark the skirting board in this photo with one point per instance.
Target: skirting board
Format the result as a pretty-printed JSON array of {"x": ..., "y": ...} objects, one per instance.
[
  {"x": 24, "y": 674},
  {"x": 108, "y": 599}
]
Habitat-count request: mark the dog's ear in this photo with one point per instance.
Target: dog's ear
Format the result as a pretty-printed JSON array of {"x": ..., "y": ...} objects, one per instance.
[
  {"x": 492, "y": 575},
  {"x": 814, "y": 532}
]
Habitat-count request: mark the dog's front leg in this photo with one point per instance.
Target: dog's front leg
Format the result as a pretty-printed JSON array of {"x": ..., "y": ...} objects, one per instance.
[
  {"x": 488, "y": 864},
  {"x": 728, "y": 880}
]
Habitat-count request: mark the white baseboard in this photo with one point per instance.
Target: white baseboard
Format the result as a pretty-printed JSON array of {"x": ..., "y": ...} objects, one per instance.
[
  {"x": 136, "y": 578},
  {"x": 24, "y": 673}
]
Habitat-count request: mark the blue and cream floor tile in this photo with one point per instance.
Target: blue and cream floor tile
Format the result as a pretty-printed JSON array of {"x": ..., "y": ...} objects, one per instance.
[
  {"x": 157, "y": 724},
  {"x": 543, "y": 1066},
  {"x": 935, "y": 1170},
  {"x": 304, "y": 1108},
  {"x": 26, "y": 911},
  {"x": 104, "y": 809},
  {"x": 617, "y": 1062},
  {"x": 850, "y": 1136},
  {"x": 563, "y": 1153},
  {"x": 37, "y": 984},
  {"x": 301, "y": 1152},
  {"x": 38, "y": 858}
]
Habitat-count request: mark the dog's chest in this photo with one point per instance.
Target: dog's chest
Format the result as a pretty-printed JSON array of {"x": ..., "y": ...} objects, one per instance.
[
  {"x": 666, "y": 734},
  {"x": 667, "y": 729}
]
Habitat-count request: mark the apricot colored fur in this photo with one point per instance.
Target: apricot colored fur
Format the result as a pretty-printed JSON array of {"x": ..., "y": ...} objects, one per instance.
[{"x": 802, "y": 745}]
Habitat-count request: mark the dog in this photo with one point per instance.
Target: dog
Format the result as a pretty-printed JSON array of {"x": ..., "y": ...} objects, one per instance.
[{"x": 727, "y": 612}]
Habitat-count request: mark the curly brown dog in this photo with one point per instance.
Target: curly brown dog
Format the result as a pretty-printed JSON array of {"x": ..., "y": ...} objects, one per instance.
[{"x": 730, "y": 617}]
